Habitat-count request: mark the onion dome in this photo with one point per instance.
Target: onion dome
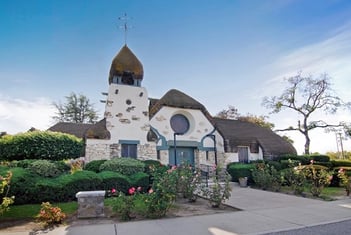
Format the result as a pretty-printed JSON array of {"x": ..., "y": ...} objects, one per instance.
[{"x": 126, "y": 64}]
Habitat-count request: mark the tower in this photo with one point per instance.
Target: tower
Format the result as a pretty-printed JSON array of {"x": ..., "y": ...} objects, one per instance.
[{"x": 126, "y": 110}]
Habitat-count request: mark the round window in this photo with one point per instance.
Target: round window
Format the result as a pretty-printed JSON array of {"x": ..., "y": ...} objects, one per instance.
[{"x": 179, "y": 124}]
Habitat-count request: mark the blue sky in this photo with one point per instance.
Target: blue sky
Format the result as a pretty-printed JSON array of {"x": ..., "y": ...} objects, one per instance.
[{"x": 219, "y": 52}]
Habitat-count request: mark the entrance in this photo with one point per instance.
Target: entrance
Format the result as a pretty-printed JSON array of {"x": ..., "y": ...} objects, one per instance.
[
  {"x": 243, "y": 153},
  {"x": 184, "y": 155}
]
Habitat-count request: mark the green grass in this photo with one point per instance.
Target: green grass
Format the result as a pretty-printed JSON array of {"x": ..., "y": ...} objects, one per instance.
[{"x": 29, "y": 211}]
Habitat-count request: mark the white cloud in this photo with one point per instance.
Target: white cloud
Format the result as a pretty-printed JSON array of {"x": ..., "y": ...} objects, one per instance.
[{"x": 18, "y": 115}]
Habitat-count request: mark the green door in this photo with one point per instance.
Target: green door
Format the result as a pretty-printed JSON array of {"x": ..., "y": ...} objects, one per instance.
[{"x": 184, "y": 155}]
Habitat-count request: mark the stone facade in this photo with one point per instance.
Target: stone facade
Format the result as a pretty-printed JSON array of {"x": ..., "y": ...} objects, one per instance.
[{"x": 91, "y": 204}]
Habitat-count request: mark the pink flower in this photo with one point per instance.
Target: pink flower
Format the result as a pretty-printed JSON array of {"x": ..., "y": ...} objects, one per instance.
[
  {"x": 312, "y": 161},
  {"x": 341, "y": 170},
  {"x": 131, "y": 191},
  {"x": 139, "y": 189},
  {"x": 113, "y": 190},
  {"x": 151, "y": 190}
]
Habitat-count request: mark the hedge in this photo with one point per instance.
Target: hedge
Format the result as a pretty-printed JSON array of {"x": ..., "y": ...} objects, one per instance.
[
  {"x": 238, "y": 170},
  {"x": 114, "y": 180},
  {"x": 40, "y": 145},
  {"x": 125, "y": 166},
  {"x": 140, "y": 179},
  {"x": 94, "y": 165}
]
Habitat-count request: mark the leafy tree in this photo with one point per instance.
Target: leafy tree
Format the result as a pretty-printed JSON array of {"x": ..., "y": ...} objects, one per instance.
[
  {"x": 232, "y": 113},
  {"x": 77, "y": 109},
  {"x": 306, "y": 96}
]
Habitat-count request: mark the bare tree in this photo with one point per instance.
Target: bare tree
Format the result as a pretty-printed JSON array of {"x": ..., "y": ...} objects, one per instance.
[
  {"x": 306, "y": 95},
  {"x": 77, "y": 109}
]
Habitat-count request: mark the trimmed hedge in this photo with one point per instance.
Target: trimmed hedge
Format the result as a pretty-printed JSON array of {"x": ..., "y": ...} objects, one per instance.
[
  {"x": 22, "y": 186},
  {"x": 238, "y": 170},
  {"x": 140, "y": 179},
  {"x": 40, "y": 145},
  {"x": 303, "y": 159},
  {"x": 125, "y": 166},
  {"x": 44, "y": 168},
  {"x": 320, "y": 158},
  {"x": 94, "y": 165},
  {"x": 114, "y": 180}
]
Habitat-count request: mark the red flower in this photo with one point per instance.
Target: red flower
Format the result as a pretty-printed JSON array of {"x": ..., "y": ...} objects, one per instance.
[{"x": 113, "y": 190}]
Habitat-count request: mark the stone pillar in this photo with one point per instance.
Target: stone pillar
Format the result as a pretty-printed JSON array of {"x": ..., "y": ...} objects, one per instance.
[{"x": 90, "y": 204}]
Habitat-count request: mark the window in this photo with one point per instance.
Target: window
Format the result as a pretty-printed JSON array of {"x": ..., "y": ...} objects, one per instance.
[
  {"x": 179, "y": 124},
  {"x": 129, "y": 150}
]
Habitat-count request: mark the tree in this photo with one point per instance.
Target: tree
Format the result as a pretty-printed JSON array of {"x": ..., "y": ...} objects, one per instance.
[
  {"x": 232, "y": 113},
  {"x": 77, "y": 109},
  {"x": 306, "y": 96}
]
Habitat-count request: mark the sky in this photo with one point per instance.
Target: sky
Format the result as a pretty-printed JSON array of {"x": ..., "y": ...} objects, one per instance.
[{"x": 223, "y": 52}]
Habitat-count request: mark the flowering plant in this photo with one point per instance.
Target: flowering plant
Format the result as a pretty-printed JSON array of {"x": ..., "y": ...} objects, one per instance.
[
  {"x": 6, "y": 201},
  {"x": 50, "y": 215},
  {"x": 318, "y": 177},
  {"x": 124, "y": 204},
  {"x": 218, "y": 192},
  {"x": 345, "y": 180}
]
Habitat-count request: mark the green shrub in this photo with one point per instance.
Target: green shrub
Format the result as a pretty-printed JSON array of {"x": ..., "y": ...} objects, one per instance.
[
  {"x": 285, "y": 164},
  {"x": 94, "y": 165},
  {"x": 277, "y": 165},
  {"x": 140, "y": 179},
  {"x": 341, "y": 163},
  {"x": 266, "y": 176},
  {"x": 44, "y": 168},
  {"x": 22, "y": 186},
  {"x": 125, "y": 166},
  {"x": 40, "y": 145},
  {"x": 22, "y": 163},
  {"x": 238, "y": 170},
  {"x": 320, "y": 158},
  {"x": 48, "y": 190},
  {"x": 114, "y": 180},
  {"x": 303, "y": 159},
  {"x": 80, "y": 181}
]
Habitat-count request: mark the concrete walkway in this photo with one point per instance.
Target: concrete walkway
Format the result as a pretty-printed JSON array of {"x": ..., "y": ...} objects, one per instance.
[{"x": 262, "y": 212}]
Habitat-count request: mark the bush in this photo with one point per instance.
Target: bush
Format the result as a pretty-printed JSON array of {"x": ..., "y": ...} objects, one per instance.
[
  {"x": 341, "y": 163},
  {"x": 40, "y": 145},
  {"x": 94, "y": 165},
  {"x": 80, "y": 181},
  {"x": 140, "y": 179},
  {"x": 22, "y": 163},
  {"x": 44, "y": 168},
  {"x": 22, "y": 186},
  {"x": 125, "y": 166},
  {"x": 114, "y": 180},
  {"x": 320, "y": 158},
  {"x": 277, "y": 165},
  {"x": 238, "y": 170},
  {"x": 303, "y": 159},
  {"x": 49, "y": 215}
]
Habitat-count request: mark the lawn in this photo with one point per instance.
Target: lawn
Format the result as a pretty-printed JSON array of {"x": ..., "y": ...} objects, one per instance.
[{"x": 29, "y": 211}]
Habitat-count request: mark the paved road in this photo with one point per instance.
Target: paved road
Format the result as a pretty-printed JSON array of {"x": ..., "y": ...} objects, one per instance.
[{"x": 340, "y": 228}]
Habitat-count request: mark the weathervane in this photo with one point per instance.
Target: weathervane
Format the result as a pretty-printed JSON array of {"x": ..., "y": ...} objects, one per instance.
[{"x": 125, "y": 27}]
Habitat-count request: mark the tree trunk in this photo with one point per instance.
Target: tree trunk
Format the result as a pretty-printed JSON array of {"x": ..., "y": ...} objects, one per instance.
[{"x": 307, "y": 143}]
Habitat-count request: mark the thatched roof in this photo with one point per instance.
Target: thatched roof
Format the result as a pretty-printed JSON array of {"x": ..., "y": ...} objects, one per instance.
[
  {"x": 240, "y": 133},
  {"x": 77, "y": 129},
  {"x": 177, "y": 99},
  {"x": 98, "y": 131},
  {"x": 126, "y": 61}
]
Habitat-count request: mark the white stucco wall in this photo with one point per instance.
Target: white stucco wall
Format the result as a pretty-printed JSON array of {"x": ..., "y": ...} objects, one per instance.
[
  {"x": 199, "y": 125},
  {"x": 126, "y": 113}
]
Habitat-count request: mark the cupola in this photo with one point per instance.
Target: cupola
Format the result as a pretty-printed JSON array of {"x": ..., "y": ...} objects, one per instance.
[{"x": 126, "y": 69}]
